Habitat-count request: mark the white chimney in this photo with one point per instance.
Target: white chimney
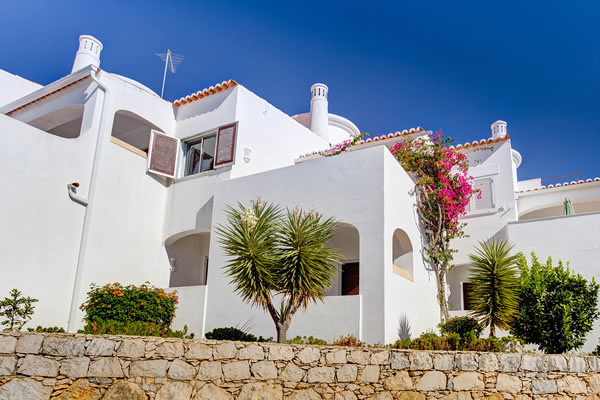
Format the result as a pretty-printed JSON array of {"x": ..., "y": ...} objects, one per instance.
[
  {"x": 88, "y": 53},
  {"x": 499, "y": 129},
  {"x": 319, "y": 114}
]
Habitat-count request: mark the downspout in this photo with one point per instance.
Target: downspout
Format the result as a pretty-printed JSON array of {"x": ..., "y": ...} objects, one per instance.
[{"x": 89, "y": 205}]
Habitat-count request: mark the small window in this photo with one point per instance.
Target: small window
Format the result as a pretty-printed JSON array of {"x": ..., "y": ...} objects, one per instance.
[
  {"x": 200, "y": 155},
  {"x": 483, "y": 195},
  {"x": 350, "y": 279},
  {"x": 467, "y": 292}
]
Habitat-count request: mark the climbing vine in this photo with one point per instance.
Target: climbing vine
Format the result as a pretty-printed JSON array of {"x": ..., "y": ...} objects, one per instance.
[{"x": 443, "y": 191}]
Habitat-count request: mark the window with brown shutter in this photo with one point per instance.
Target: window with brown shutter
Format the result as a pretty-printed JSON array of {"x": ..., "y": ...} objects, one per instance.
[
  {"x": 350, "y": 279},
  {"x": 467, "y": 292},
  {"x": 226, "y": 136},
  {"x": 162, "y": 157}
]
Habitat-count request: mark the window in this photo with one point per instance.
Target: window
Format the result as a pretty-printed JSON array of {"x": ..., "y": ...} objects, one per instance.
[
  {"x": 200, "y": 155},
  {"x": 402, "y": 254},
  {"x": 350, "y": 279},
  {"x": 467, "y": 292},
  {"x": 483, "y": 195}
]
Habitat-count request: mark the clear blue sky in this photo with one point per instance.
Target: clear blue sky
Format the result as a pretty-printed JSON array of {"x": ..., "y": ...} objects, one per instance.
[{"x": 456, "y": 66}]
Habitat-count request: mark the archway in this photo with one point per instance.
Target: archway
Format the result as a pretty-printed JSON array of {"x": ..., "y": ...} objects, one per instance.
[
  {"x": 346, "y": 240},
  {"x": 402, "y": 254},
  {"x": 188, "y": 257}
]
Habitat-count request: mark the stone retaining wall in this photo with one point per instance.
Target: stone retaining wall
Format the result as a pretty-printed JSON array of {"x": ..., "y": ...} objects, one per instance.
[{"x": 61, "y": 366}]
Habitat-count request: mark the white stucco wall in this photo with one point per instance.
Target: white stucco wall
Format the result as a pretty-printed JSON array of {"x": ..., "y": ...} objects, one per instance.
[{"x": 13, "y": 87}]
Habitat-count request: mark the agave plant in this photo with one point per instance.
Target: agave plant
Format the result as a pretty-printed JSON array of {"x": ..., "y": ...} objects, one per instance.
[
  {"x": 275, "y": 253},
  {"x": 495, "y": 279}
]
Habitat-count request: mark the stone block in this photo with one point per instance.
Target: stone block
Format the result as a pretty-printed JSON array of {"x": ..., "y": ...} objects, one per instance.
[
  {"x": 400, "y": 381},
  {"x": 410, "y": 396},
  {"x": 236, "y": 370},
  {"x": 308, "y": 355},
  {"x": 321, "y": 375},
  {"x": 209, "y": 371},
  {"x": 420, "y": 360},
  {"x": 198, "y": 351},
  {"x": 24, "y": 389},
  {"x": 347, "y": 373},
  {"x": 121, "y": 390},
  {"x": 264, "y": 370},
  {"x": 29, "y": 343},
  {"x": 131, "y": 348},
  {"x": 556, "y": 363},
  {"x": 508, "y": 384},
  {"x": 212, "y": 392},
  {"x": 534, "y": 363},
  {"x": 336, "y": 357},
  {"x": 509, "y": 362},
  {"x": 380, "y": 357},
  {"x": 256, "y": 391},
  {"x": 593, "y": 381},
  {"x": 466, "y": 362},
  {"x": 292, "y": 373},
  {"x": 467, "y": 381},
  {"x": 80, "y": 390},
  {"x": 359, "y": 357},
  {"x": 593, "y": 363},
  {"x": 181, "y": 370},
  {"x": 577, "y": 364},
  {"x": 252, "y": 352},
  {"x": 170, "y": 350},
  {"x": 306, "y": 394},
  {"x": 432, "y": 380},
  {"x": 459, "y": 396},
  {"x": 7, "y": 344},
  {"x": 100, "y": 347},
  {"x": 148, "y": 368},
  {"x": 443, "y": 362},
  {"x": 488, "y": 362},
  {"x": 175, "y": 391},
  {"x": 381, "y": 396},
  {"x": 7, "y": 365},
  {"x": 543, "y": 386},
  {"x": 63, "y": 346},
  {"x": 571, "y": 384},
  {"x": 39, "y": 366},
  {"x": 105, "y": 367},
  {"x": 284, "y": 353},
  {"x": 400, "y": 360},
  {"x": 345, "y": 395},
  {"x": 75, "y": 367},
  {"x": 369, "y": 374}
]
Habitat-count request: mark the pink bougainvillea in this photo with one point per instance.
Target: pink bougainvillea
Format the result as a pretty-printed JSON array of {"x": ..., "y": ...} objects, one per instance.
[{"x": 444, "y": 189}]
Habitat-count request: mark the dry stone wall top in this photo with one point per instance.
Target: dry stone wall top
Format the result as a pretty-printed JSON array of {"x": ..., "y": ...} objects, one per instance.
[{"x": 37, "y": 366}]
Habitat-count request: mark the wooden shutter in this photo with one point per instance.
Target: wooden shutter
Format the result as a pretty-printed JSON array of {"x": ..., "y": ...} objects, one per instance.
[
  {"x": 467, "y": 292},
  {"x": 162, "y": 154},
  {"x": 226, "y": 137},
  {"x": 484, "y": 188},
  {"x": 350, "y": 279}
]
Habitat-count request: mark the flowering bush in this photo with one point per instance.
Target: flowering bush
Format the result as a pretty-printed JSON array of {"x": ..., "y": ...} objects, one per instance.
[
  {"x": 444, "y": 189},
  {"x": 115, "y": 302},
  {"x": 463, "y": 326},
  {"x": 340, "y": 147}
]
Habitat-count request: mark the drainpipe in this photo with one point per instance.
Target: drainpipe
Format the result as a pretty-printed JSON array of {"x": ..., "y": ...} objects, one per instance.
[{"x": 88, "y": 203}]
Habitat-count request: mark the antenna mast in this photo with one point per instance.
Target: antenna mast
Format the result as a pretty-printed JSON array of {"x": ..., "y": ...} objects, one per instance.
[{"x": 171, "y": 62}]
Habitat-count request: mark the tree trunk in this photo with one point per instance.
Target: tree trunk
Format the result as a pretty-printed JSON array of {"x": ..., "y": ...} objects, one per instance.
[
  {"x": 282, "y": 333},
  {"x": 492, "y": 330},
  {"x": 441, "y": 284}
]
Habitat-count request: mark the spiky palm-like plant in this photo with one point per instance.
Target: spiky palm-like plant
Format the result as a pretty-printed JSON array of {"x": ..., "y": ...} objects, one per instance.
[
  {"x": 494, "y": 275},
  {"x": 273, "y": 253}
]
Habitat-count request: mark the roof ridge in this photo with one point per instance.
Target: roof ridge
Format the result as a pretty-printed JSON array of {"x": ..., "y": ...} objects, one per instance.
[{"x": 219, "y": 87}]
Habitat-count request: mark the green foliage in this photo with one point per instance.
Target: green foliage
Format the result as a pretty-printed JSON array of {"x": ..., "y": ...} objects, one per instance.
[
  {"x": 557, "y": 307},
  {"x": 271, "y": 252},
  {"x": 453, "y": 342},
  {"x": 17, "y": 310},
  {"x": 135, "y": 328},
  {"x": 144, "y": 303},
  {"x": 307, "y": 340},
  {"x": 495, "y": 280},
  {"x": 49, "y": 329},
  {"x": 232, "y": 333},
  {"x": 463, "y": 326},
  {"x": 348, "y": 340}
]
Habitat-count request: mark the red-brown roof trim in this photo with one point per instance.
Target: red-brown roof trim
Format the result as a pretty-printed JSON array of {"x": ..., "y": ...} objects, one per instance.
[{"x": 219, "y": 87}]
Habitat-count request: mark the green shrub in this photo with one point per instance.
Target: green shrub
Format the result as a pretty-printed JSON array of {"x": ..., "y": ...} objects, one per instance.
[
  {"x": 348, "y": 340},
  {"x": 17, "y": 310},
  {"x": 557, "y": 307},
  {"x": 463, "y": 326},
  {"x": 232, "y": 333},
  {"x": 135, "y": 328},
  {"x": 453, "y": 341},
  {"x": 50, "y": 329},
  {"x": 307, "y": 340},
  {"x": 144, "y": 303}
]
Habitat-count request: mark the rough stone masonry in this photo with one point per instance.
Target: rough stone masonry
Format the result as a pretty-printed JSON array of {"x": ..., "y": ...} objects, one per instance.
[{"x": 36, "y": 366}]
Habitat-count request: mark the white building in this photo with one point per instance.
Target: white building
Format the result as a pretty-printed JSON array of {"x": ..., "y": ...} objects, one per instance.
[{"x": 85, "y": 203}]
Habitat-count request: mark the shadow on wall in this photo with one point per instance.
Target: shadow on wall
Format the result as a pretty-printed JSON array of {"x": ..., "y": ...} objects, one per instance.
[
  {"x": 204, "y": 215},
  {"x": 188, "y": 258}
]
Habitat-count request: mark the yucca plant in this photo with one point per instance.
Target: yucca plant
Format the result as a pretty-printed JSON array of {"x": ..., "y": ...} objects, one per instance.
[
  {"x": 275, "y": 253},
  {"x": 494, "y": 275}
]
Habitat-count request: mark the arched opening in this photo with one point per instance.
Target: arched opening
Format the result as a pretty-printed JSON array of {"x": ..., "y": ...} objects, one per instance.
[
  {"x": 346, "y": 240},
  {"x": 133, "y": 130},
  {"x": 64, "y": 122},
  {"x": 402, "y": 254},
  {"x": 188, "y": 257}
]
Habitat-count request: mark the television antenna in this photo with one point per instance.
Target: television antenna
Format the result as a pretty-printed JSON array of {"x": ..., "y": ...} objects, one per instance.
[{"x": 171, "y": 62}]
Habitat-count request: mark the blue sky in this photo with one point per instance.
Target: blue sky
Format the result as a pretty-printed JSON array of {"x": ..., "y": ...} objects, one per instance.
[{"x": 456, "y": 66}]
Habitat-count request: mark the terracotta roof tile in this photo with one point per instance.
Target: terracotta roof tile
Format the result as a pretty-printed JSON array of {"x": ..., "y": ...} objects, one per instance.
[
  {"x": 480, "y": 143},
  {"x": 391, "y": 135},
  {"x": 219, "y": 87},
  {"x": 572, "y": 183}
]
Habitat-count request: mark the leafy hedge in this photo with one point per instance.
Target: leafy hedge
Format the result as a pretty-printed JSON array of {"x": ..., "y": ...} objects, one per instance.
[
  {"x": 144, "y": 303},
  {"x": 232, "y": 333},
  {"x": 136, "y": 328},
  {"x": 453, "y": 341}
]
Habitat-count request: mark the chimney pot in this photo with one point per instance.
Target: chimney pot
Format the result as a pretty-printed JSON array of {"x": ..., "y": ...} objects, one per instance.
[{"x": 88, "y": 53}]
